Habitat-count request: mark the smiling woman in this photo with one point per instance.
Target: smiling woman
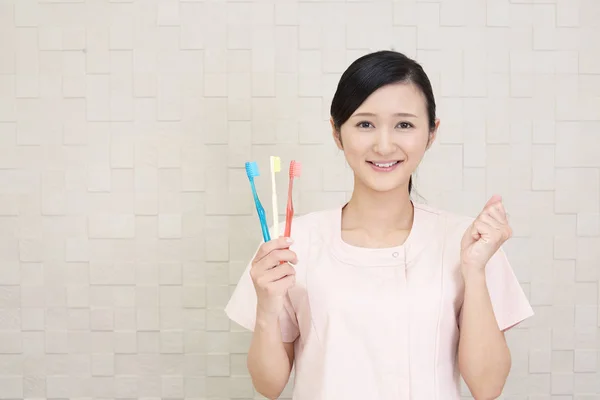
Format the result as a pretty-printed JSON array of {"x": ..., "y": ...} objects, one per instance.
[
  {"x": 385, "y": 139},
  {"x": 382, "y": 298},
  {"x": 385, "y": 93}
]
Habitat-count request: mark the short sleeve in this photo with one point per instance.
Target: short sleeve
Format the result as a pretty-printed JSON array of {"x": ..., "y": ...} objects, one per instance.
[
  {"x": 508, "y": 299},
  {"x": 241, "y": 308}
]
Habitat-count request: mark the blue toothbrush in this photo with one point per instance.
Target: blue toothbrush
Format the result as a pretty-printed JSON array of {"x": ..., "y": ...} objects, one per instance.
[{"x": 252, "y": 172}]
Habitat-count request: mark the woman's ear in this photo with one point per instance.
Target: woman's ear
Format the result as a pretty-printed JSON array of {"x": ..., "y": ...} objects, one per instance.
[
  {"x": 433, "y": 134},
  {"x": 337, "y": 134}
]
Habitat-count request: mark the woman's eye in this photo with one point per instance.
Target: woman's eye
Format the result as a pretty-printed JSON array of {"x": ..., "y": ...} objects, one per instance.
[
  {"x": 364, "y": 124},
  {"x": 367, "y": 125}
]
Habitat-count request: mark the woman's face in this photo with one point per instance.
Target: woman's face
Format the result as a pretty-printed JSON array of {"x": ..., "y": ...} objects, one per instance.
[{"x": 386, "y": 137}]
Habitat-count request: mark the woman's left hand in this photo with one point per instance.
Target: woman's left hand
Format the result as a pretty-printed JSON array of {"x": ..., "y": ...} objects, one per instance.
[{"x": 485, "y": 236}]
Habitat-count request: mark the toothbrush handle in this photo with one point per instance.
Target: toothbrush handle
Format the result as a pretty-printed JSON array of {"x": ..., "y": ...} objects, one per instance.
[
  {"x": 289, "y": 211},
  {"x": 263, "y": 223},
  {"x": 261, "y": 214}
]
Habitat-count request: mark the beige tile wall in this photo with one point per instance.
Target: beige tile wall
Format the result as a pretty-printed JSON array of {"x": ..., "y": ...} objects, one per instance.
[{"x": 126, "y": 218}]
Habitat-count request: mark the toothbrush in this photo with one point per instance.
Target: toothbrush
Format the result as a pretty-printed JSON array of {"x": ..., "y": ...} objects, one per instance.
[
  {"x": 275, "y": 167},
  {"x": 252, "y": 172},
  {"x": 295, "y": 172}
]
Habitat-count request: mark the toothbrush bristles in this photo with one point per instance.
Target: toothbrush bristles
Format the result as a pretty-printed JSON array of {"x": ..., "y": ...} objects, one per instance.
[
  {"x": 276, "y": 163},
  {"x": 295, "y": 169},
  {"x": 252, "y": 169}
]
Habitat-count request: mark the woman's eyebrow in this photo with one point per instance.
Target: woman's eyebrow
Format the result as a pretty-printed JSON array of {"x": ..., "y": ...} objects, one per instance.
[{"x": 400, "y": 114}]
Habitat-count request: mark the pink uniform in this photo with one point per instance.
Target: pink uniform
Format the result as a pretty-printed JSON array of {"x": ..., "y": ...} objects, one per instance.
[{"x": 380, "y": 323}]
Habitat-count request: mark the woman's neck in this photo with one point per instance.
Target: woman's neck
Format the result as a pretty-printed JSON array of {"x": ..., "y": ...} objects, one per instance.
[{"x": 378, "y": 215}]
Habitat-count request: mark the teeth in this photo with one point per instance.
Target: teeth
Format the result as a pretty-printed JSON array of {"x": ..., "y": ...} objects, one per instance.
[{"x": 386, "y": 165}]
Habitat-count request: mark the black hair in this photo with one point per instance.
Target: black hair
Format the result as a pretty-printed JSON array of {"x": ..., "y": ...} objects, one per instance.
[{"x": 369, "y": 73}]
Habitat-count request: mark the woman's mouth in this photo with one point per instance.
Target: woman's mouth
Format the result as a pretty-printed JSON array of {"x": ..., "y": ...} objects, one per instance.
[{"x": 384, "y": 166}]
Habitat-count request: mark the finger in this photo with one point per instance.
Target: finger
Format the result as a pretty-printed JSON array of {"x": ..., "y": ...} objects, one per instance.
[
  {"x": 494, "y": 199},
  {"x": 490, "y": 221},
  {"x": 275, "y": 244},
  {"x": 483, "y": 230},
  {"x": 494, "y": 214},
  {"x": 505, "y": 228},
  {"x": 474, "y": 231},
  {"x": 275, "y": 258},
  {"x": 491, "y": 227},
  {"x": 266, "y": 277},
  {"x": 281, "y": 256},
  {"x": 497, "y": 212},
  {"x": 281, "y": 271},
  {"x": 284, "y": 283}
]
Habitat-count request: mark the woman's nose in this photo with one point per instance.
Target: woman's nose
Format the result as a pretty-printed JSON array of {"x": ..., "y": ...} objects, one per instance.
[{"x": 383, "y": 144}]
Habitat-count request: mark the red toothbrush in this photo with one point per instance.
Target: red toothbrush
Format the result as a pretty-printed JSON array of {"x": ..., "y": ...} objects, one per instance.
[{"x": 295, "y": 172}]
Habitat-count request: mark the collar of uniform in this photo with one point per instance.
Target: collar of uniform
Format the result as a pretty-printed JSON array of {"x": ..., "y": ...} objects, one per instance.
[{"x": 425, "y": 225}]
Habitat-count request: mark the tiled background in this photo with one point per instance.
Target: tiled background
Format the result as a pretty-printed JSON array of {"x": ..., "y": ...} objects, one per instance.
[{"x": 126, "y": 218}]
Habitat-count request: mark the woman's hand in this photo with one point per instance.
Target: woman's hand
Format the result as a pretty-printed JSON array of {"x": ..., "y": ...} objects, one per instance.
[
  {"x": 272, "y": 278},
  {"x": 485, "y": 236}
]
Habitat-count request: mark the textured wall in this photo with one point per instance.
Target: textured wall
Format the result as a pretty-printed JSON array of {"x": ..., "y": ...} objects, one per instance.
[{"x": 126, "y": 217}]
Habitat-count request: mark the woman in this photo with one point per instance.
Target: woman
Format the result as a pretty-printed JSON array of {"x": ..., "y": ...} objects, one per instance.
[{"x": 382, "y": 298}]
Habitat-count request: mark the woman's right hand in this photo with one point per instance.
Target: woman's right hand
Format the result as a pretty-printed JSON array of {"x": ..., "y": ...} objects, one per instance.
[{"x": 272, "y": 278}]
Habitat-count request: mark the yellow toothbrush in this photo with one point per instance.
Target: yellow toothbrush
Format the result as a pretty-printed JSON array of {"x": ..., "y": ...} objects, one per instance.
[{"x": 275, "y": 167}]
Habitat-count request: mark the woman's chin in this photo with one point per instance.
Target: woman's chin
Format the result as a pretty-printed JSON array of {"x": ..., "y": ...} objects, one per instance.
[{"x": 386, "y": 185}]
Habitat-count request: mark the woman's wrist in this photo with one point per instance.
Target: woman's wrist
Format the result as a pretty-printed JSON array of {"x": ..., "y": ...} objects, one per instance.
[
  {"x": 266, "y": 321},
  {"x": 473, "y": 275}
]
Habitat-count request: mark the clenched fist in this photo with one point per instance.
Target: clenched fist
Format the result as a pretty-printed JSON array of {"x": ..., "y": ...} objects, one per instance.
[
  {"x": 485, "y": 236},
  {"x": 272, "y": 276}
]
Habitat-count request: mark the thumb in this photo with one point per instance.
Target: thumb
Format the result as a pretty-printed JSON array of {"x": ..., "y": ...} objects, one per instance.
[
  {"x": 470, "y": 236},
  {"x": 494, "y": 199}
]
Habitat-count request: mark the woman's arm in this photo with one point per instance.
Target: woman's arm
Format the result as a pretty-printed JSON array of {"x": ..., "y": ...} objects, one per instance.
[
  {"x": 270, "y": 360},
  {"x": 483, "y": 355}
]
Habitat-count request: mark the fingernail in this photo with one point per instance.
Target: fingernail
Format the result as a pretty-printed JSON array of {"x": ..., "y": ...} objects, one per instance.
[{"x": 289, "y": 240}]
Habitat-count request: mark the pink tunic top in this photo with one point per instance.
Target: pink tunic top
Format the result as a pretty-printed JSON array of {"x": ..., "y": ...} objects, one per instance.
[{"x": 380, "y": 323}]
